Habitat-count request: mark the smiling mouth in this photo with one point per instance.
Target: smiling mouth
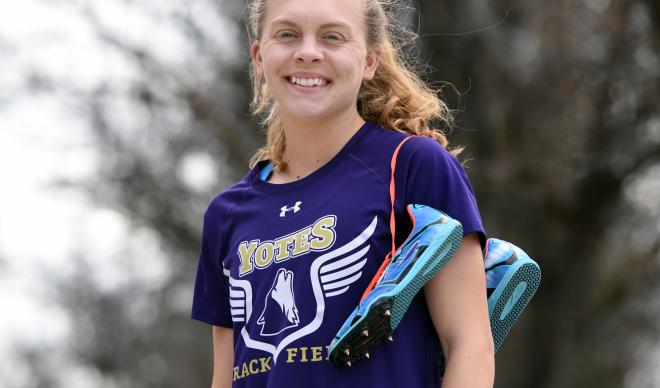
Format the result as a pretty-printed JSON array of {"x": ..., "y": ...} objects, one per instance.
[{"x": 308, "y": 82}]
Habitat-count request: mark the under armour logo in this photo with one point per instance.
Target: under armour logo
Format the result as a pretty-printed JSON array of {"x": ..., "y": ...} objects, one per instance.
[{"x": 285, "y": 209}]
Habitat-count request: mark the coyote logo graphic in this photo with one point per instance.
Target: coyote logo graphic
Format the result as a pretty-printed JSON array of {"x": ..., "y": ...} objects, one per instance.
[
  {"x": 331, "y": 274},
  {"x": 280, "y": 311}
]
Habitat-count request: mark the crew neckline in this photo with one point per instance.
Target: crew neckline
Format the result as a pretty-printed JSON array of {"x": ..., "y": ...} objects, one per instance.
[{"x": 266, "y": 186}]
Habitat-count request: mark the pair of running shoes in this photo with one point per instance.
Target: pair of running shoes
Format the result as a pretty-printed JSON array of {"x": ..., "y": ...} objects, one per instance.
[{"x": 512, "y": 278}]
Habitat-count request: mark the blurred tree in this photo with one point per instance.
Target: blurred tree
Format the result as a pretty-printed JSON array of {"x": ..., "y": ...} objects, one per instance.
[
  {"x": 559, "y": 112},
  {"x": 562, "y": 97},
  {"x": 170, "y": 136}
]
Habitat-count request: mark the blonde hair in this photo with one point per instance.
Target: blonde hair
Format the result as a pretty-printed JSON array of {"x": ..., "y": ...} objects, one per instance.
[{"x": 396, "y": 98}]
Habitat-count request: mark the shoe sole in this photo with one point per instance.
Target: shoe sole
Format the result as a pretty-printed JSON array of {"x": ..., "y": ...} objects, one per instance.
[
  {"x": 377, "y": 323},
  {"x": 509, "y": 299},
  {"x": 512, "y": 296}
]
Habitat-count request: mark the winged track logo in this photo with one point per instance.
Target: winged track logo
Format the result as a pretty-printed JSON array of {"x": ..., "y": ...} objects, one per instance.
[{"x": 331, "y": 274}]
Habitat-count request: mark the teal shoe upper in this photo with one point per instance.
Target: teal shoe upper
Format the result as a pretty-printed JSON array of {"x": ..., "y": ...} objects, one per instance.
[
  {"x": 430, "y": 228},
  {"x": 500, "y": 256}
]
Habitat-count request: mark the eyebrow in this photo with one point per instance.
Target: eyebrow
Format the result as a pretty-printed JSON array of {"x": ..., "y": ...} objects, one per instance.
[{"x": 333, "y": 24}]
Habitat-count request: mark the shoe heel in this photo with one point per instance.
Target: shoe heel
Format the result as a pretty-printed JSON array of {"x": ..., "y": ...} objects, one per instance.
[{"x": 511, "y": 297}]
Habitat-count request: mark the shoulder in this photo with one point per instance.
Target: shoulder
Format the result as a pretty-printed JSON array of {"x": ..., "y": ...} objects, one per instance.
[
  {"x": 375, "y": 148},
  {"x": 418, "y": 156},
  {"x": 385, "y": 140},
  {"x": 382, "y": 138},
  {"x": 220, "y": 207},
  {"x": 425, "y": 158},
  {"x": 425, "y": 148},
  {"x": 426, "y": 167}
]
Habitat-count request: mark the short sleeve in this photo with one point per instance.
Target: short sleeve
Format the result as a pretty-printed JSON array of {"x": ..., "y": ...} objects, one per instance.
[
  {"x": 211, "y": 293},
  {"x": 427, "y": 174}
]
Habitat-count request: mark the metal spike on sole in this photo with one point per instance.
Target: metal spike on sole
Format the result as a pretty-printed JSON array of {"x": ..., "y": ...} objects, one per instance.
[
  {"x": 367, "y": 355},
  {"x": 348, "y": 363},
  {"x": 382, "y": 313},
  {"x": 347, "y": 352},
  {"x": 365, "y": 333}
]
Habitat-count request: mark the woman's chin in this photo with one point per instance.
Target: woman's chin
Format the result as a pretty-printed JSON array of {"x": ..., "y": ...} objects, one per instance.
[{"x": 304, "y": 113}]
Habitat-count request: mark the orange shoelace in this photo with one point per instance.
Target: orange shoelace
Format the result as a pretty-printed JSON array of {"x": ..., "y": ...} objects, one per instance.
[{"x": 388, "y": 257}]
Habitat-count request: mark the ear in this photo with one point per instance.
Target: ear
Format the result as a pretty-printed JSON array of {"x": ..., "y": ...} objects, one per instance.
[
  {"x": 371, "y": 64},
  {"x": 255, "y": 53}
]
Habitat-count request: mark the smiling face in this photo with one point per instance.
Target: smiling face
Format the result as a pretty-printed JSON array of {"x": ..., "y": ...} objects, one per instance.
[{"x": 313, "y": 55}]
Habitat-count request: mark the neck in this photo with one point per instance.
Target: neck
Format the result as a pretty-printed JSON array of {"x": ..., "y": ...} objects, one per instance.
[{"x": 311, "y": 144}]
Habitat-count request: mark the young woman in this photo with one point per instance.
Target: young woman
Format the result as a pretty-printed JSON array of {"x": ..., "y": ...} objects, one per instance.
[{"x": 288, "y": 251}]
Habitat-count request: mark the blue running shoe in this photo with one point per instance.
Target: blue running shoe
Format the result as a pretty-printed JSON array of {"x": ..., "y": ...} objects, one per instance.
[
  {"x": 434, "y": 240},
  {"x": 512, "y": 278}
]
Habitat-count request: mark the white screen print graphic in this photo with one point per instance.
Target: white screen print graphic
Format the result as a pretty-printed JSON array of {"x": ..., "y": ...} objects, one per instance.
[
  {"x": 280, "y": 311},
  {"x": 331, "y": 274}
]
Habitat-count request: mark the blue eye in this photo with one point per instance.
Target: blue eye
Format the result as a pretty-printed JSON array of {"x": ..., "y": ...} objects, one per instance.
[
  {"x": 335, "y": 37},
  {"x": 285, "y": 35}
]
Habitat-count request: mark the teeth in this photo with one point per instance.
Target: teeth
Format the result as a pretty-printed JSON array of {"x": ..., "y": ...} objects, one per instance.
[{"x": 308, "y": 82}]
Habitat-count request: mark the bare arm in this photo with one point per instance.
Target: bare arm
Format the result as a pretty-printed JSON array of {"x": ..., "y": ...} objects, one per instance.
[
  {"x": 223, "y": 357},
  {"x": 456, "y": 299}
]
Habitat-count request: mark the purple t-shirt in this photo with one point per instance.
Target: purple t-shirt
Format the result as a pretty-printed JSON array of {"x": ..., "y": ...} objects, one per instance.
[{"x": 285, "y": 264}]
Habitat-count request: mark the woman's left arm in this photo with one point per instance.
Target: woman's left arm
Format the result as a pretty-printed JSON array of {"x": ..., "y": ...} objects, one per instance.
[{"x": 456, "y": 298}]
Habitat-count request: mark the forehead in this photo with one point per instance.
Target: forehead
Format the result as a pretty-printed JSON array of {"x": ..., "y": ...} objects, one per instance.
[{"x": 315, "y": 12}]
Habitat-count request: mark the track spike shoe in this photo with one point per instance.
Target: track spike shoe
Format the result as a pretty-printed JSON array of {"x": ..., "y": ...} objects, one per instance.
[
  {"x": 433, "y": 241},
  {"x": 512, "y": 279}
]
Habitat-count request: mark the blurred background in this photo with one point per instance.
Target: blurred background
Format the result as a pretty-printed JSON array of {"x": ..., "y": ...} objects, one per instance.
[{"x": 120, "y": 120}]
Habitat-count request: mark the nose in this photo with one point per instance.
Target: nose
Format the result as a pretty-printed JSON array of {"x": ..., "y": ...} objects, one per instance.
[{"x": 308, "y": 51}]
